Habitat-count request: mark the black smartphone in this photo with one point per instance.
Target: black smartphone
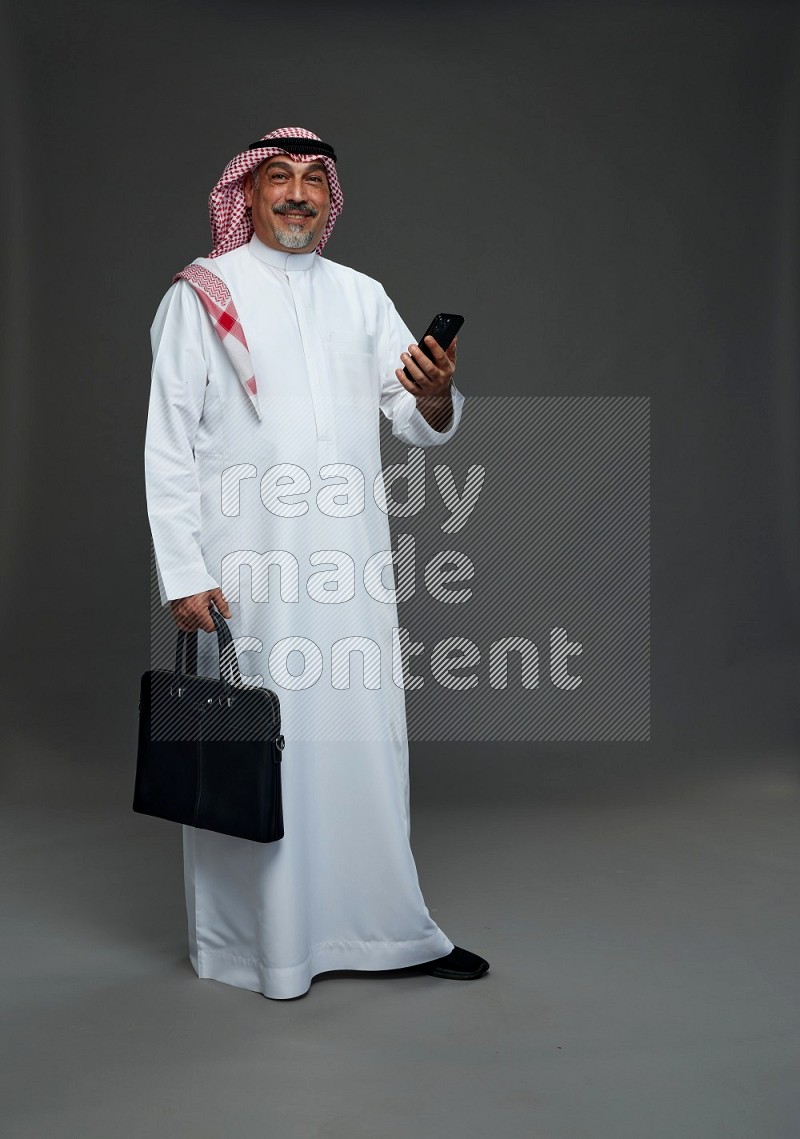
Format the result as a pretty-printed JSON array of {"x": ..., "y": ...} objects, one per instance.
[{"x": 443, "y": 329}]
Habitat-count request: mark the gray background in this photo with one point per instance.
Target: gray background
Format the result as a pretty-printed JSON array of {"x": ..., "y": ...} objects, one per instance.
[{"x": 609, "y": 192}]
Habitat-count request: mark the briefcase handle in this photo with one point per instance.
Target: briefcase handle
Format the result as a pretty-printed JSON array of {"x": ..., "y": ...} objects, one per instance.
[{"x": 186, "y": 653}]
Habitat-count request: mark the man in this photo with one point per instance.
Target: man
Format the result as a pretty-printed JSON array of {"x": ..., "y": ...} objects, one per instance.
[{"x": 262, "y": 462}]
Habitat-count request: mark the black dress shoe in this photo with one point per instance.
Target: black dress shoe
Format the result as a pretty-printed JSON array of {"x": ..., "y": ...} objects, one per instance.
[{"x": 460, "y": 965}]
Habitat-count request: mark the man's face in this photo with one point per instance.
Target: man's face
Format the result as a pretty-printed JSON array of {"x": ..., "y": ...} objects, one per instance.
[{"x": 290, "y": 205}]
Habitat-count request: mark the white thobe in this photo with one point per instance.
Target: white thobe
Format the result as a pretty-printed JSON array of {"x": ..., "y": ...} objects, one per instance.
[{"x": 227, "y": 493}]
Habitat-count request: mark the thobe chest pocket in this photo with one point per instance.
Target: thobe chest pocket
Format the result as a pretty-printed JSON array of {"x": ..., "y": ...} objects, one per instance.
[{"x": 351, "y": 362}]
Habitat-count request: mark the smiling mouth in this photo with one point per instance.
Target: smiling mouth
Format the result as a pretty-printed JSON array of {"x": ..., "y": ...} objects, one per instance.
[{"x": 294, "y": 215}]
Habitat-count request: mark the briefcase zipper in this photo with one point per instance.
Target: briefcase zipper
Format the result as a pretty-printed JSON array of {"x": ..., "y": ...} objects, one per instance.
[{"x": 274, "y": 705}]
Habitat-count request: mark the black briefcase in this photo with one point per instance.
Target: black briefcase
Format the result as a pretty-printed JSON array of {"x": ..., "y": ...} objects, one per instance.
[{"x": 209, "y": 751}]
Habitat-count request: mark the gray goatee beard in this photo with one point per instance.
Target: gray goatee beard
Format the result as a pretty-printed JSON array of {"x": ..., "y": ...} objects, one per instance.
[{"x": 290, "y": 239}]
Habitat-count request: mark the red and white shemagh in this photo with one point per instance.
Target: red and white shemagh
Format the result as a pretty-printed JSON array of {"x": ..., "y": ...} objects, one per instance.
[
  {"x": 232, "y": 226},
  {"x": 218, "y": 303}
]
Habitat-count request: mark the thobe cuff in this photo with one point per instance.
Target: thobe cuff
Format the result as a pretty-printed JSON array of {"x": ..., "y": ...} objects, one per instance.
[
  {"x": 183, "y": 581},
  {"x": 413, "y": 427}
]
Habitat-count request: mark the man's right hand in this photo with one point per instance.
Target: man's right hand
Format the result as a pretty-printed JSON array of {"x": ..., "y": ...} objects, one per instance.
[{"x": 191, "y": 613}]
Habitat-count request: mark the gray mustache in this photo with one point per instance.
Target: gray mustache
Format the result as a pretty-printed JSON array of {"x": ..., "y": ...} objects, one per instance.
[{"x": 300, "y": 208}]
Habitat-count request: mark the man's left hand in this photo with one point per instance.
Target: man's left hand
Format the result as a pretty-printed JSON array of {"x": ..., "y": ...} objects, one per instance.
[{"x": 433, "y": 379}]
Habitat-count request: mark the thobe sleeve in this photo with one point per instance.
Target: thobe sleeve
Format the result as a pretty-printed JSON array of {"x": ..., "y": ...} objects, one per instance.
[
  {"x": 177, "y": 394},
  {"x": 398, "y": 404}
]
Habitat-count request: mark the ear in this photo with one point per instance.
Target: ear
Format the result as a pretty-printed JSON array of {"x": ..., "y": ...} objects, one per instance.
[{"x": 247, "y": 189}]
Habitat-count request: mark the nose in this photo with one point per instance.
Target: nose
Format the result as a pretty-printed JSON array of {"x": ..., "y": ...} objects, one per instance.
[{"x": 295, "y": 191}]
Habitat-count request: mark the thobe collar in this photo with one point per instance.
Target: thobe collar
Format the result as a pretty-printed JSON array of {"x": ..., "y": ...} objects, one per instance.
[{"x": 288, "y": 262}]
